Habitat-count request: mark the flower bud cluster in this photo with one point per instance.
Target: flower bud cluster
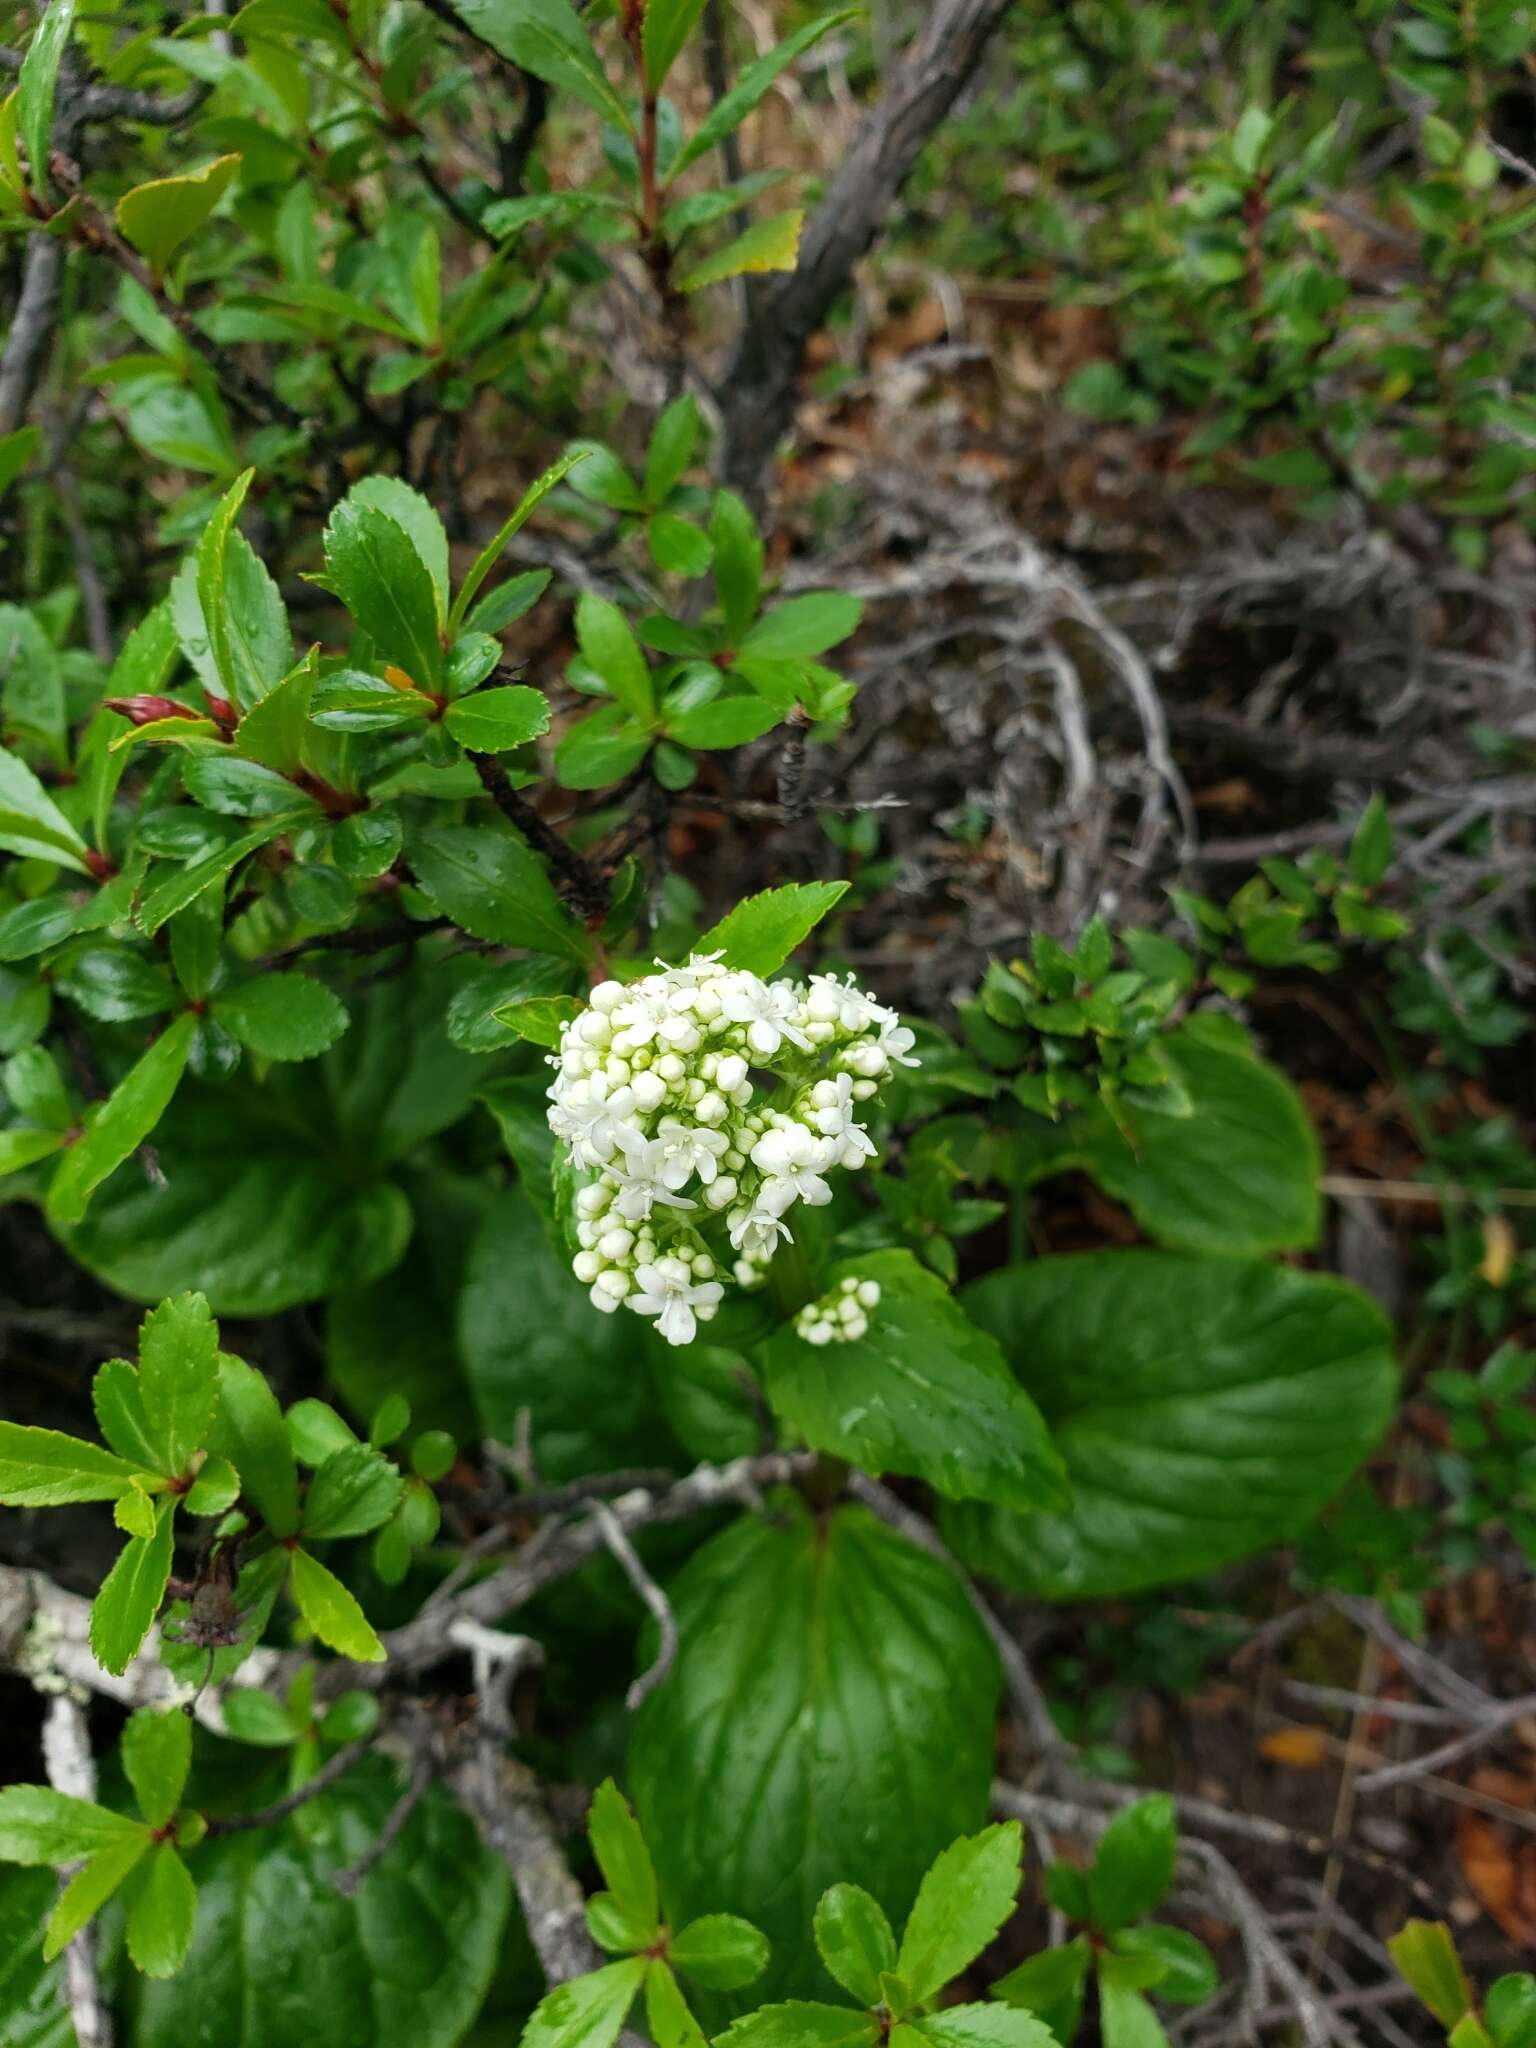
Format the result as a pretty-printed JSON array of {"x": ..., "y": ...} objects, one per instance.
[
  {"x": 842, "y": 1315},
  {"x": 704, "y": 1099}
]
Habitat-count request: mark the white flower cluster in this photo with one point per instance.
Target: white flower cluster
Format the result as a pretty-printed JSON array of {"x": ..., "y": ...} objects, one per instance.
[
  {"x": 842, "y": 1315},
  {"x": 656, "y": 1092}
]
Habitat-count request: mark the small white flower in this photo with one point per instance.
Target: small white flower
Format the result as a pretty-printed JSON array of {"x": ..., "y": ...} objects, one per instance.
[
  {"x": 677, "y": 1301},
  {"x": 792, "y": 1158},
  {"x": 893, "y": 1038},
  {"x": 757, "y": 1233},
  {"x": 688, "y": 1149},
  {"x": 642, "y": 1182},
  {"x": 766, "y": 1008},
  {"x": 590, "y": 1115},
  {"x": 838, "y": 1124}
]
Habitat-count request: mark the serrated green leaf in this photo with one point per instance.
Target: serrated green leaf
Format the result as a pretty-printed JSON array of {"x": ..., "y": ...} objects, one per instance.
[
  {"x": 31, "y": 825},
  {"x": 586, "y": 2012},
  {"x": 36, "y": 86},
  {"x": 43, "y": 1468},
  {"x": 90, "y": 1888},
  {"x": 178, "y": 1379},
  {"x": 963, "y": 1900},
  {"x": 162, "y": 1912},
  {"x": 771, "y": 244},
  {"x": 332, "y": 1611},
  {"x": 547, "y": 37},
  {"x": 250, "y": 1434},
  {"x": 763, "y": 930},
  {"x": 354, "y": 1491},
  {"x": 39, "y": 1825},
  {"x": 283, "y": 1016},
  {"x": 799, "y": 2023},
  {"x": 157, "y": 1755},
  {"x": 378, "y": 572},
  {"x": 490, "y": 554},
  {"x": 492, "y": 721},
  {"x": 624, "y": 1859},
  {"x": 122, "y": 1123},
  {"x": 125, "y": 1608},
  {"x": 159, "y": 216},
  {"x": 854, "y": 1940}
]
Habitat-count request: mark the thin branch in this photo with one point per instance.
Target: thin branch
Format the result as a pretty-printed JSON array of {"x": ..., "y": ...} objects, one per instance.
[
  {"x": 758, "y": 389},
  {"x": 583, "y": 884},
  {"x": 333, "y": 1768},
  {"x": 26, "y": 341},
  {"x": 627, "y": 1558},
  {"x": 349, "y": 1880}
]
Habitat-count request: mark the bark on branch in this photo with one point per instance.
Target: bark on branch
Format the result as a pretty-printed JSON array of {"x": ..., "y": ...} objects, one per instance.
[{"x": 758, "y": 390}]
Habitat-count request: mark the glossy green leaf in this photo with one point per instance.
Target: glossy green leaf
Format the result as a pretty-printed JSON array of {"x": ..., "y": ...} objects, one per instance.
[
  {"x": 733, "y": 107},
  {"x": 738, "y": 561},
  {"x": 726, "y": 722},
  {"x": 410, "y": 511},
  {"x": 131, "y": 1593},
  {"x": 800, "y": 2024},
  {"x": 491, "y": 553},
  {"x": 90, "y": 1888},
  {"x": 249, "y": 648},
  {"x": 601, "y": 749},
  {"x": 762, "y": 931},
  {"x": 184, "y": 886},
  {"x": 158, "y": 217},
  {"x": 36, "y": 86},
  {"x": 281, "y": 1959},
  {"x": 672, "y": 2025},
  {"x": 355, "y": 1490},
  {"x": 678, "y": 547},
  {"x": 1133, "y": 1866},
  {"x": 283, "y": 1016},
  {"x": 803, "y": 626},
  {"x": 157, "y": 1755},
  {"x": 251, "y": 1434},
  {"x": 1189, "y": 1973},
  {"x": 924, "y": 1392},
  {"x": 492, "y": 721},
  {"x": 548, "y": 38},
  {"x": 610, "y": 646},
  {"x": 1203, "y": 1407},
  {"x": 178, "y": 1380},
  {"x": 868, "y": 1744},
  {"x": 162, "y": 1912},
  {"x": 976, "y": 2026},
  {"x": 43, "y": 1468},
  {"x": 332, "y": 1610},
  {"x": 624, "y": 1860},
  {"x": 963, "y": 1900},
  {"x": 1125, "y": 2018},
  {"x": 586, "y": 2012},
  {"x": 667, "y": 27},
  {"x": 1425, "y": 1954},
  {"x": 122, "y": 1123},
  {"x": 31, "y": 825},
  {"x": 719, "y": 1951},
  {"x": 378, "y": 571},
  {"x": 676, "y": 432},
  {"x": 854, "y": 1940},
  {"x": 39, "y": 1825},
  {"x": 1510, "y": 2009},
  {"x": 530, "y": 1339},
  {"x": 492, "y": 884}
]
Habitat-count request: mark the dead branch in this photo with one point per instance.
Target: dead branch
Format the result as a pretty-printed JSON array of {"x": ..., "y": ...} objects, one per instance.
[
  {"x": 627, "y": 1558},
  {"x": 758, "y": 388},
  {"x": 71, "y": 1768}
]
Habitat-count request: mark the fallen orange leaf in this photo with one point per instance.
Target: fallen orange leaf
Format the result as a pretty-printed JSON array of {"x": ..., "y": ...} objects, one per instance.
[{"x": 1298, "y": 1749}]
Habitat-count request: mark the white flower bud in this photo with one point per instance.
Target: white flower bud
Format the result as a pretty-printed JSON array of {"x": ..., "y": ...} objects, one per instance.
[
  {"x": 650, "y": 1091},
  {"x": 614, "y": 1245},
  {"x": 586, "y": 1266}
]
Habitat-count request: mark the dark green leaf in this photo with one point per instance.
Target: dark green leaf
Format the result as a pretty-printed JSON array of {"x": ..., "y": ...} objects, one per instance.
[
  {"x": 1189, "y": 1973},
  {"x": 489, "y": 881},
  {"x": 403, "y": 1964},
  {"x": 533, "y": 582},
  {"x": 1370, "y": 851},
  {"x": 122, "y": 1123},
  {"x": 676, "y": 433},
  {"x": 925, "y": 1392},
  {"x": 178, "y": 1380},
  {"x": 601, "y": 749},
  {"x": 162, "y": 1911},
  {"x": 869, "y": 1739},
  {"x": 31, "y": 825},
  {"x": 610, "y": 646},
  {"x": 733, "y": 107},
  {"x": 36, "y": 86},
  {"x": 377, "y": 570},
  {"x": 668, "y": 25},
  {"x": 1134, "y": 1864},
  {"x": 738, "y": 561},
  {"x": 547, "y": 38},
  {"x": 1204, "y": 1408}
]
